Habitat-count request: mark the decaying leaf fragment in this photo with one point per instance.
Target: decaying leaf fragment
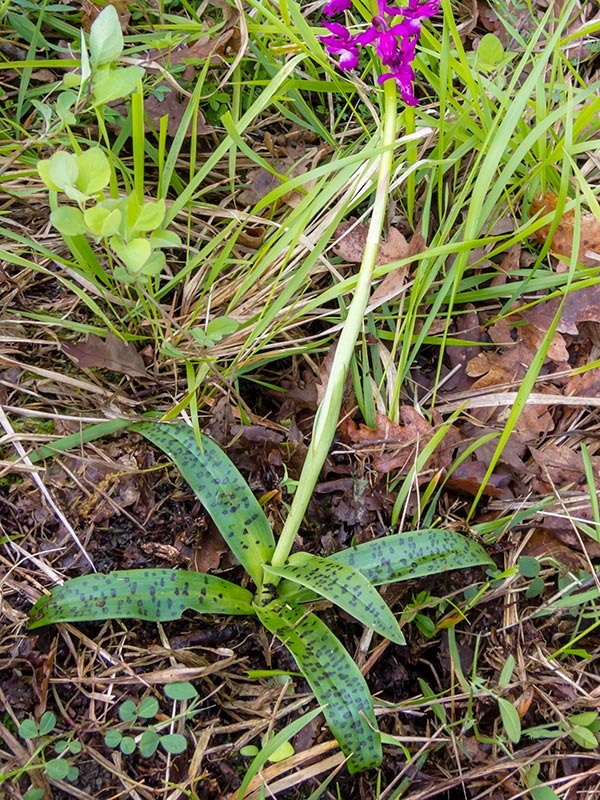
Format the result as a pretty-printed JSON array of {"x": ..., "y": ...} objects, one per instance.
[
  {"x": 109, "y": 353},
  {"x": 396, "y": 447}
]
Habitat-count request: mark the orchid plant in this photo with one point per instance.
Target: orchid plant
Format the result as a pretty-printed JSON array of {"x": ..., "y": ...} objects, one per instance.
[
  {"x": 285, "y": 581},
  {"x": 395, "y": 42}
]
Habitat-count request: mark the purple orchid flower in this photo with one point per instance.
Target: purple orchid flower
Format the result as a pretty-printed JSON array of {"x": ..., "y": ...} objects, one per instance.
[
  {"x": 341, "y": 44},
  {"x": 333, "y": 7}
]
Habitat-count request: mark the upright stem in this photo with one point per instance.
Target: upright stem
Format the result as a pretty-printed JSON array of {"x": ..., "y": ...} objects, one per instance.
[{"x": 327, "y": 415}]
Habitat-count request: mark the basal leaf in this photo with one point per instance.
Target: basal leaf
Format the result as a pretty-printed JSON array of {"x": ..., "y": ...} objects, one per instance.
[
  {"x": 344, "y": 586},
  {"x": 335, "y": 679},
  {"x": 403, "y": 556},
  {"x": 221, "y": 490},
  {"x": 150, "y": 594}
]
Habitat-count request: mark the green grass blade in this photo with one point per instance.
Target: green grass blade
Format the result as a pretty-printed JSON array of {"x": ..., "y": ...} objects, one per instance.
[
  {"x": 221, "y": 490},
  {"x": 404, "y": 556},
  {"x": 272, "y": 745},
  {"x": 149, "y": 594},
  {"x": 335, "y": 679},
  {"x": 344, "y": 586}
]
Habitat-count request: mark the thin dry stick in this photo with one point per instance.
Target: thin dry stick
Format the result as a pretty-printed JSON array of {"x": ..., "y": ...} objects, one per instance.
[{"x": 9, "y": 430}]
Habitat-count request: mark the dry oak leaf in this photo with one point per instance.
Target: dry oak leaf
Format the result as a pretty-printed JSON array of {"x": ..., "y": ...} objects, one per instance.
[
  {"x": 562, "y": 239},
  {"x": 351, "y": 237},
  {"x": 559, "y": 467},
  {"x": 394, "y": 282},
  {"x": 169, "y": 103},
  {"x": 395, "y": 447},
  {"x": 110, "y": 353}
]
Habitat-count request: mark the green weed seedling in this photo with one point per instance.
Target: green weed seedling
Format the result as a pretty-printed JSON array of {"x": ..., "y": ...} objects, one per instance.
[
  {"x": 57, "y": 766},
  {"x": 583, "y": 728},
  {"x": 99, "y": 79},
  {"x": 130, "y": 229},
  {"x": 135, "y": 733},
  {"x": 99, "y": 73},
  {"x": 347, "y": 578}
]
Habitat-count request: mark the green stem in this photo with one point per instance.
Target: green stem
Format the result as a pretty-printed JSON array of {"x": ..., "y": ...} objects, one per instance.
[{"x": 328, "y": 412}]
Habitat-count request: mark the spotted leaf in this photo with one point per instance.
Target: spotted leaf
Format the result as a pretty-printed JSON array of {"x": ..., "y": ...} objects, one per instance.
[
  {"x": 402, "y": 557},
  {"x": 150, "y": 594},
  {"x": 221, "y": 490},
  {"x": 344, "y": 586},
  {"x": 335, "y": 679}
]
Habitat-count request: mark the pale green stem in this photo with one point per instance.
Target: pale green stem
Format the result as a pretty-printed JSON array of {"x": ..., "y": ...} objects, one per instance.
[{"x": 327, "y": 415}]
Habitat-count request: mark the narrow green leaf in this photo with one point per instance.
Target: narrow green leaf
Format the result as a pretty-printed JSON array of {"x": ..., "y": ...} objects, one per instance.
[
  {"x": 150, "y": 594},
  {"x": 335, "y": 679},
  {"x": 583, "y": 737},
  {"x": 507, "y": 671},
  {"x": 585, "y": 718},
  {"x": 271, "y": 746},
  {"x": 543, "y": 793},
  {"x": 404, "y": 556},
  {"x": 221, "y": 489},
  {"x": 344, "y": 586},
  {"x": 510, "y": 719}
]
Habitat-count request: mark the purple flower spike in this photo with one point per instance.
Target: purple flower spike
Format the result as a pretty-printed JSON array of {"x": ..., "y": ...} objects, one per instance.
[
  {"x": 394, "y": 44},
  {"x": 341, "y": 44},
  {"x": 412, "y": 11},
  {"x": 333, "y": 7}
]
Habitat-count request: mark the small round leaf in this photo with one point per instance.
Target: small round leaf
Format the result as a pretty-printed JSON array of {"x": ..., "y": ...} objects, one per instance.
[
  {"x": 28, "y": 729},
  {"x": 34, "y": 794},
  {"x": 173, "y": 743},
  {"x": 128, "y": 711},
  {"x": 47, "y": 723},
  {"x": 57, "y": 769},
  {"x": 113, "y": 738},
  {"x": 127, "y": 745},
  {"x": 148, "y": 707},
  {"x": 148, "y": 743},
  {"x": 180, "y": 691}
]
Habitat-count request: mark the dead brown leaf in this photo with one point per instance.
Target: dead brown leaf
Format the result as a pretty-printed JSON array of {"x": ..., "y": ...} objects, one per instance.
[
  {"x": 261, "y": 181},
  {"x": 169, "y": 103},
  {"x": 562, "y": 239},
  {"x": 351, "y": 237},
  {"x": 560, "y": 466},
  {"x": 111, "y": 353},
  {"x": 394, "y": 282},
  {"x": 544, "y": 543},
  {"x": 468, "y": 477},
  {"x": 90, "y": 11}
]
